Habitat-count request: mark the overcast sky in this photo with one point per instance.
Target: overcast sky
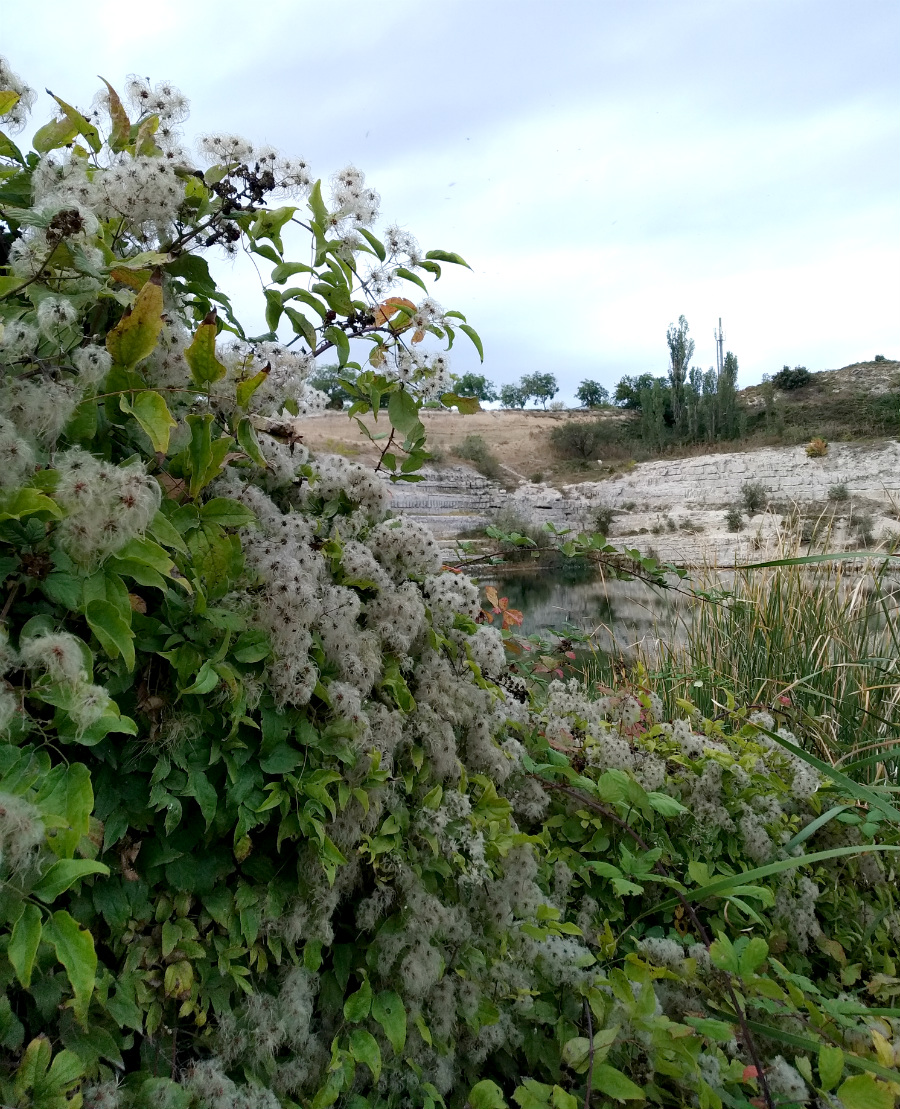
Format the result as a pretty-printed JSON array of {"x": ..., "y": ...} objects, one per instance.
[{"x": 604, "y": 165}]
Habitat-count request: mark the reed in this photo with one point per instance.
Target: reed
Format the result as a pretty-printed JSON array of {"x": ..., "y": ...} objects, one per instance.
[{"x": 816, "y": 645}]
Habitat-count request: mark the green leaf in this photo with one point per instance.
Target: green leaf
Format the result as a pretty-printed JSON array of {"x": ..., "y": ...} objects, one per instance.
[
  {"x": 82, "y": 124},
  {"x": 166, "y": 533},
  {"x": 152, "y": 413},
  {"x": 408, "y": 275},
  {"x": 341, "y": 343},
  {"x": 863, "y": 1092},
  {"x": 376, "y": 244},
  {"x": 753, "y": 956},
  {"x": 831, "y": 1066},
  {"x": 199, "y": 450},
  {"x": 26, "y": 502},
  {"x": 136, "y": 334},
  {"x": 201, "y": 354},
  {"x": 63, "y": 874},
  {"x": 75, "y": 950},
  {"x": 713, "y": 1029},
  {"x": 274, "y": 308},
  {"x": 56, "y": 133},
  {"x": 473, "y": 335},
  {"x": 364, "y": 1049},
  {"x": 204, "y": 793},
  {"x": 9, "y": 98},
  {"x": 665, "y": 805},
  {"x": 301, "y": 326},
  {"x": 205, "y": 682},
  {"x": 721, "y": 885},
  {"x": 403, "y": 411},
  {"x": 8, "y": 149},
  {"x": 486, "y": 1095},
  {"x": 287, "y": 269},
  {"x": 468, "y": 406},
  {"x": 246, "y": 389},
  {"x": 317, "y": 204},
  {"x": 115, "y": 636},
  {"x": 65, "y": 1070},
  {"x": 615, "y": 1084},
  {"x": 388, "y": 1011},
  {"x": 249, "y": 444},
  {"x": 447, "y": 256},
  {"x": 23, "y": 943},
  {"x": 227, "y": 513},
  {"x": 357, "y": 1005}
]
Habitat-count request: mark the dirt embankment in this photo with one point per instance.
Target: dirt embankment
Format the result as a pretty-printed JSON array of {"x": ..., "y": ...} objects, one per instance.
[{"x": 519, "y": 439}]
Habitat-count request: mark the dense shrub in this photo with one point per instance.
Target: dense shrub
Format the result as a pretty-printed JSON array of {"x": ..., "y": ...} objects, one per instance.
[
  {"x": 279, "y": 824},
  {"x": 582, "y": 438},
  {"x": 755, "y": 496},
  {"x": 734, "y": 519},
  {"x": 474, "y": 449},
  {"x": 788, "y": 379},
  {"x": 817, "y": 447}
]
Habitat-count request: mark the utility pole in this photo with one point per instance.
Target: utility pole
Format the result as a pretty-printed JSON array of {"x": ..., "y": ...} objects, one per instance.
[{"x": 719, "y": 337}]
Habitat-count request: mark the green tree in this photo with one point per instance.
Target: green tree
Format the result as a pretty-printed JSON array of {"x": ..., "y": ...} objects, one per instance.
[
  {"x": 681, "y": 351},
  {"x": 592, "y": 394},
  {"x": 513, "y": 396},
  {"x": 628, "y": 390},
  {"x": 331, "y": 380},
  {"x": 542, "y": 387},
  {"x": 476, "y": 385}
]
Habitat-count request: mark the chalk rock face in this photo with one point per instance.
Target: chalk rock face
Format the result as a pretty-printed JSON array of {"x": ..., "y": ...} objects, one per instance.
[
  {"x": 677, "y": 508},
  {"x": 869, "y": 471}
]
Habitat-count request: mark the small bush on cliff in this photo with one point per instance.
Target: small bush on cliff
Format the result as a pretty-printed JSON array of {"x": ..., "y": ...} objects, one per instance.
[{"x": 474, "y": 449}]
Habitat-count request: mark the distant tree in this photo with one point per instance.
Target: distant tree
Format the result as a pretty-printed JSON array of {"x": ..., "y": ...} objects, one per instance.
[
  {"x": 629, "y": 389},
  {"x": 583, "y": 438},
  {"x": 327, "y": 379},
  {"x": 653, "y": 415},
  {"x": 542, "y": 387},
  {"x": 787, "y": 378},
  {"x": 729, "y": 410},
  {"x": 681, "y": 351},
  {"x": 592, "y": 394},
  {"x": 476, "y": 385},
  {"x": 513, "y": 396}
]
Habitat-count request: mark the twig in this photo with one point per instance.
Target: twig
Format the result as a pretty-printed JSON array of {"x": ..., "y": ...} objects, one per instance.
[
  {"x": 9, "y": 600},
  {"x": 599, "y": 807},
  {"x": 590, "y": 1074}
]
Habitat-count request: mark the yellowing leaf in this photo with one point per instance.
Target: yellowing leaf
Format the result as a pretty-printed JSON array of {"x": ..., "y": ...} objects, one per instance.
[
  {"x": 121, "y": 130},
  {"x": 75, "y": 950},
  {"x": 863, "y": 1092},
  {"x": 201, "y": 354},
  {"x": 82, "y": 124},
  {"x": 136, "y": 334},
  {"x": 152, "y": 413}
]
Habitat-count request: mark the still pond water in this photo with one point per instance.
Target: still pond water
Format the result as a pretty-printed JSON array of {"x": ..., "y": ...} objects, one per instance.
[{"x": 617, "y": 614}]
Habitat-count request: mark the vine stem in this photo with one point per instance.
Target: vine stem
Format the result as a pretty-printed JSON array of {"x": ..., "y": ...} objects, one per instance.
[
  {"x": 9, "y": 600},
  {"x": 599, "y": 807},
  {"x": 590, "y": 1073}
]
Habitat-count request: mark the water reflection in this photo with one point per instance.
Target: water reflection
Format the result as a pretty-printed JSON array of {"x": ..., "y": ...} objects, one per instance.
[{"x": 618, "y": 614}]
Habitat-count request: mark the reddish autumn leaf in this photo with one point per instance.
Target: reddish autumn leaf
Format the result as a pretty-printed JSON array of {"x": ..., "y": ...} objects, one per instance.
[
  {"x": 511, "y": 616},
  {"x": 570, "y": 654},
  {"x": 750, "y": 1072},
  {"x": 491, "y": 593}
]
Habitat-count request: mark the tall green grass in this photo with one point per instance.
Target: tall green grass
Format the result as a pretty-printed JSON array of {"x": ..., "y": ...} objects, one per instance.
[{"x": 819, "y": 647}]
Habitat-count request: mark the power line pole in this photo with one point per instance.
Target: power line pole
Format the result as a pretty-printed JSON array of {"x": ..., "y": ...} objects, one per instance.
[{"x": 719, "y": 337}]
